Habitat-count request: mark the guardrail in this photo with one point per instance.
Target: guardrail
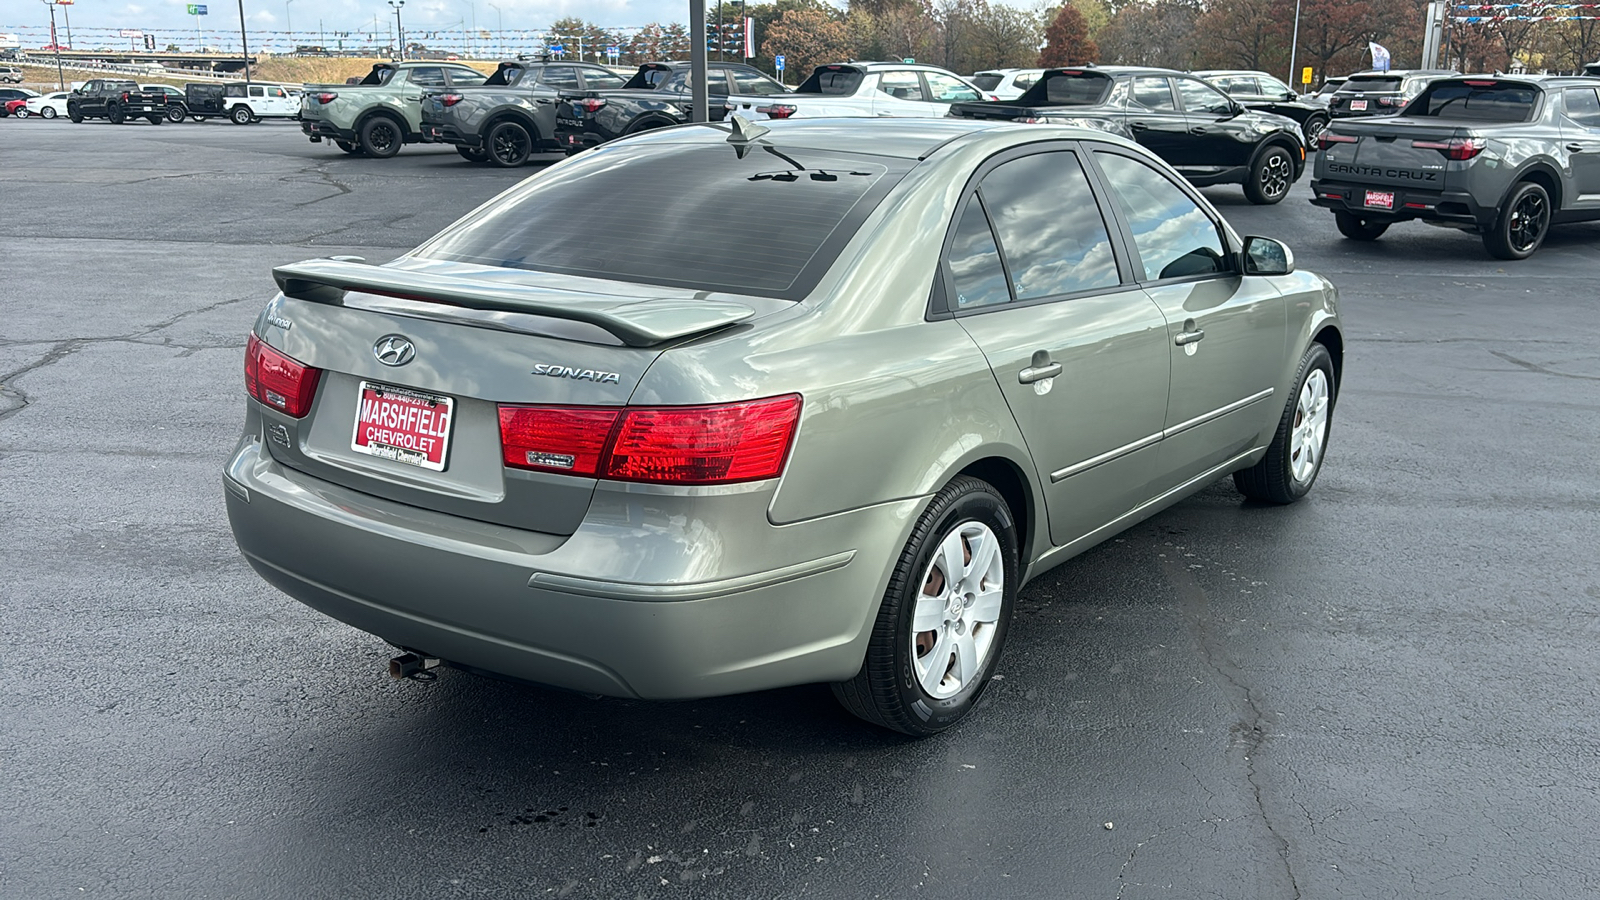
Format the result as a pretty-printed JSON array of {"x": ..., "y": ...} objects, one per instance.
[{"x": 49, "y": 62}]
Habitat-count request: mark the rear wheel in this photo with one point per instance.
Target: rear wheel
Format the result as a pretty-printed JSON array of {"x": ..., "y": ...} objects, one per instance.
[
  {"x": 175, "y": 114},
  {"x": 22, "y": 112},
  {"x": 943, "y": 619},
  {"x": 1356, "y": 228},
  {"x": 381, "y": 137},
  {"x": 1294, "y": 457},
  {"x": 1313, "y": 129},
  {"x": 114, "y": 114},
  {"x": 1523, "y": 223},
  {"x": 471, "y": 154},
  {"x": 49, "y": 112},
  {"x": 241, "y": 115},
  {"x": 1270, "y": 177},
  {"x": 509, "y": 144}
]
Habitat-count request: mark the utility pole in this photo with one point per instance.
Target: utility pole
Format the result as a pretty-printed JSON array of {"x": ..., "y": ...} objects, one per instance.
[
  {"x": 244, "y": 43},
  {"x": 699, "y": 96},
  {"x": 55, "y": 44},
  {"x": 719, "y": 29},
  {"x": 1294, "y": 43},
  {"x": 399, "y": 28},
  {"x": 66, "y": 17}
]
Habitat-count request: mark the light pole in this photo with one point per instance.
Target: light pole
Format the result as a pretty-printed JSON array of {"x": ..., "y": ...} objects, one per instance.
[
  {"x": 66, "y": 18},
  {"x": 244, "y": 43},
  {"x": 55, "y": 44},
  {"x": 474, "y": 32},
  {"x": 499, "y": 32},
  {"x": 400, "y": 29},
  {"x": 1294, "y": 43},
  {"x": 288, "y": 23}
]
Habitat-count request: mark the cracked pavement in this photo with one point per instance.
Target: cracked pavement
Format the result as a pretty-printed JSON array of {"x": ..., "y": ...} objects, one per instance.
[{"x": 1385, "y": 691}]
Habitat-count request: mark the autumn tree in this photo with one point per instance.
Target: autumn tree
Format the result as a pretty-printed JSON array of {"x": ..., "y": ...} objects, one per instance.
[
  {"x": 808, "y": 38},
  {"x": 1151, "y": 33},
  {"x": 1007, "y": 38},
  {"x": 1246, "y": 34},
  {"x": 1067, "y": 40}
]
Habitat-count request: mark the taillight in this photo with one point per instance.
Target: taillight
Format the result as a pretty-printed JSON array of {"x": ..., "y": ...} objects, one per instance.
[
  {"x": 450, "y": 99},
  {"x": 326, "y": 97},
  {"x": 277, "y": 380},
  {"x": 1386, "y": 101},
  {"x": 589, "y": 104},
  {"x": 1454, "y": 148},
  {"x": 1325, "y": 140},
  {"x": 716, "y": 444},
  {"x": 124, "y": 96},
  {"x": 778, "y": 110}
]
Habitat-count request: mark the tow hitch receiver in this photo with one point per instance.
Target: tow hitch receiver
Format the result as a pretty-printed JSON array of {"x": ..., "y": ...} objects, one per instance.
[
  {"x": 316, "y": 139},
  {"x": 414, "y": 667}
]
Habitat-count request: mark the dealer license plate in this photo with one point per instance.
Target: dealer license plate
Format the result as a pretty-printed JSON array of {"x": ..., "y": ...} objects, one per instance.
[
  {"x": 1380, "y": 199},
  {"x": 404, "y": 425},
  {"x": 1358, "y": 105}
]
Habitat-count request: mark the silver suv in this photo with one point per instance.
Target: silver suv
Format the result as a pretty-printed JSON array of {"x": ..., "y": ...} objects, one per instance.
[{"x": 10, "y": 75}]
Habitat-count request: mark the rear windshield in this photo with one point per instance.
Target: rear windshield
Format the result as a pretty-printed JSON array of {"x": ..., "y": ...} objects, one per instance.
[
  {"x": 695, "y": 216},
  {"x": 1377, "y": 83},
  {"x": 505, "y": 75},
  {"x": 1068, "y": 89},
  {"x": 1481, "y": 102},
  {"x": 987, "y": 82},
  {"x": 379, "y": 75},
  {"x": 836, "y": 80},
  {"x": 649, "y": 77}
]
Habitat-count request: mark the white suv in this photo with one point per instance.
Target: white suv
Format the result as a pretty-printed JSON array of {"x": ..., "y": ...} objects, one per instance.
[
  {"x": 246, "y": 103},
  {"x": 10, "y": 75}
]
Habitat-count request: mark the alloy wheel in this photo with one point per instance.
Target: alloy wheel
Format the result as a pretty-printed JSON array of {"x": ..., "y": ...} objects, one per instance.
[
  {"x": 955, "y": 621},
  {"x": 1528, "y": 221},
  {"x": 1310, "y": 427},
  {"x": 1275, "y": 176}
]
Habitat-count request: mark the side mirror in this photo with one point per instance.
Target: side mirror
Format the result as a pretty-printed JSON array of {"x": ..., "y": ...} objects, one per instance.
[{"x": 1265, "y": 256}]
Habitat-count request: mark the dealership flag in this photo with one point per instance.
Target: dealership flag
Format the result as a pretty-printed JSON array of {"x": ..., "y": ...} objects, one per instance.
[{"x": 1380, "y": 56}]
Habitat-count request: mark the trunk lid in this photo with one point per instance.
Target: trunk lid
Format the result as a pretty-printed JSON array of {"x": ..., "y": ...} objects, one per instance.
[
  {"x": 1385, "y": 151},
  {"x": 416, "y": 358}
]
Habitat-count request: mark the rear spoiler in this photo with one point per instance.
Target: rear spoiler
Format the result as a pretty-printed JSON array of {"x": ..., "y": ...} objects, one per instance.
[{"x": 634, "y": 322}]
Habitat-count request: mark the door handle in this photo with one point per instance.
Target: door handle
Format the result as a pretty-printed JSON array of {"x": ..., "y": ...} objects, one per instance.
[
  {"x": 1039, "y": 373},
  {"x": 1197, "y": 130},
  {"x": 1189, "y": 337},
  {"x": 1576, "y": 147},
  {"x": 1138, "y": 126}
]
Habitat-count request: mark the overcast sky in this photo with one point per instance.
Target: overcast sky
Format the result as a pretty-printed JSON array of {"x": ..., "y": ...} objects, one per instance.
[{"x": 270, "y": 15}]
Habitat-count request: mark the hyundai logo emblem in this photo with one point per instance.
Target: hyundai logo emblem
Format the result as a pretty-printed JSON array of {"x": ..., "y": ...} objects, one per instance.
[{"x": 394, "y": 350}]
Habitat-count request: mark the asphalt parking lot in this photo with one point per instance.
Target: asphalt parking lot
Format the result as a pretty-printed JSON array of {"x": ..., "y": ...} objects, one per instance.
[{"x": 1385, "y": 691}]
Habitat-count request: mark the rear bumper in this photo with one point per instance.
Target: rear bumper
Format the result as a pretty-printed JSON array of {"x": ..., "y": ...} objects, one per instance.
[
  {"x": 1457, "y": 208},
  {"x": 434, "y": 133},
  {"x": 319, "y": 129},
  {"x": 575, "y": 611}
]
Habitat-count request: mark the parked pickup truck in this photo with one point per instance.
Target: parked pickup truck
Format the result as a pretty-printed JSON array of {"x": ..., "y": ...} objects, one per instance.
[
  {"x": 1204, "y": 134},
  {"x": 861, "y": 89},
  {"x": 511, "y": 116},
  {"x": 116, "y": 101},
  {"x": 658, "y": 95},
  {"x": 381, "y": 113},
  {"x": 1504, "y": 157}
]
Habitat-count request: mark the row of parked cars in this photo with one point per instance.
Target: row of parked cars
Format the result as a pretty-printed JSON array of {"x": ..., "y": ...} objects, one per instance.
[{"x": 120, "y": 100}]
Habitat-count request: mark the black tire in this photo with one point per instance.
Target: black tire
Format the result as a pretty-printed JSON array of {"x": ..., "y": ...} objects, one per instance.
[
  {"x": 1356, "y": 228},
  {"x": 199, "y": 118},
  {"x": 1270, "y": 178},
  {"x": 49, "y": 112},
  {"x": 887, "y": 691},
  {"x": 348, "y": 147},
  {"x": 175, "y": 114},
  {"x": 241, "y": 115},
  {"x": 1275, "y": 478},
  {"x": 1523, "y": 222},
  {"x": 114, "y": 114},
  {"x": 472, "y": 154},
  {"x": 1312, "y": 130},
  {"x": 75, "y": 114},
  {"x": 508, "y": 144},
  {"x": 157, "y": 120},
  {"x": 381, "y": 137}
]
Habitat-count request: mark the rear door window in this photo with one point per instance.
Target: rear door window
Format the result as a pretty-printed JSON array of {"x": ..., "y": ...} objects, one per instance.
[
  {"x": 945, "y": 89},
  {"x": 560, "y": 76},
  {"x": 601, "y": 80},
  {"x": 1154, "y": 94},
  {"x": 1582, "y": 106},
  {"x": 1071, "y": 89},
  {"x": 1476, "y": 100},
  {"x": 975, "y": 268},
  {"x": 901, "y": 85},
  {"x": 466, "y": 77},
  {"x": 1173, "y": 235},
  {"x": 988, "y": 82},
  {"x": 838, "y": 81},
  {"x": 748, "y": 81},
  {"x": 1201, "y": 98},
  {"x": 428, "y": 76},
  {"x": 1049, "y": 252},
  {"x": 696, "y": 216}
]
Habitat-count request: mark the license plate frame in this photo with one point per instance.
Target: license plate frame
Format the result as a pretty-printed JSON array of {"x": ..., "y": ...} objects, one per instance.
[
  {"x": 1379, "y": 200},
  {"x": 419, "y": 431},
  {"x": 1358, "y": 105}
]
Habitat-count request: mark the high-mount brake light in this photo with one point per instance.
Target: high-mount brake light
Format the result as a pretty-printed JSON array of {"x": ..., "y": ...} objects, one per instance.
[
  {"x": 326, "y": 97},
  {"x": 450, "y": 99},
  {"x": 1326, "y": 139},
  {"x": 277, "y": 380},
  {"x": 1455, "y": 148},
  {"x": 589, "y": 104},
  {"x": 778, "y": 110},
  {"x": 1480, "y": 83},
  {"x": 714, "y": 444}
]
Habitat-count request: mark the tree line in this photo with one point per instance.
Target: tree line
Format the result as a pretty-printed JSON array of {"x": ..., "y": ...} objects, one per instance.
[{"x": 969, "y": 35}]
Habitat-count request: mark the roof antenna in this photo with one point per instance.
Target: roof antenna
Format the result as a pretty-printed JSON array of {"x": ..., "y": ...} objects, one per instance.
[{"x": 744, "y": 130}]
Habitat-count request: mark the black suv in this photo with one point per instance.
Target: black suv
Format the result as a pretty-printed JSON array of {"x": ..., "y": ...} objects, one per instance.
[
  {"x": 1204, "y": 134},
  {"x": 1381, "y": 93},
  {"x": 1258, "y": 90}
]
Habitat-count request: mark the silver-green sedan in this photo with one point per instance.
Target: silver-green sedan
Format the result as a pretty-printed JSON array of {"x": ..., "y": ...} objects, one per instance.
[{"x": 723, "y": 408}]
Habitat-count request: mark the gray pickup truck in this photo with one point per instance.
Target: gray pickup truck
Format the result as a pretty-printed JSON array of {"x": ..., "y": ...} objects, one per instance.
[
  {"x": 1504, "y": 157},
  {"x": 512, "y": 115}
]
